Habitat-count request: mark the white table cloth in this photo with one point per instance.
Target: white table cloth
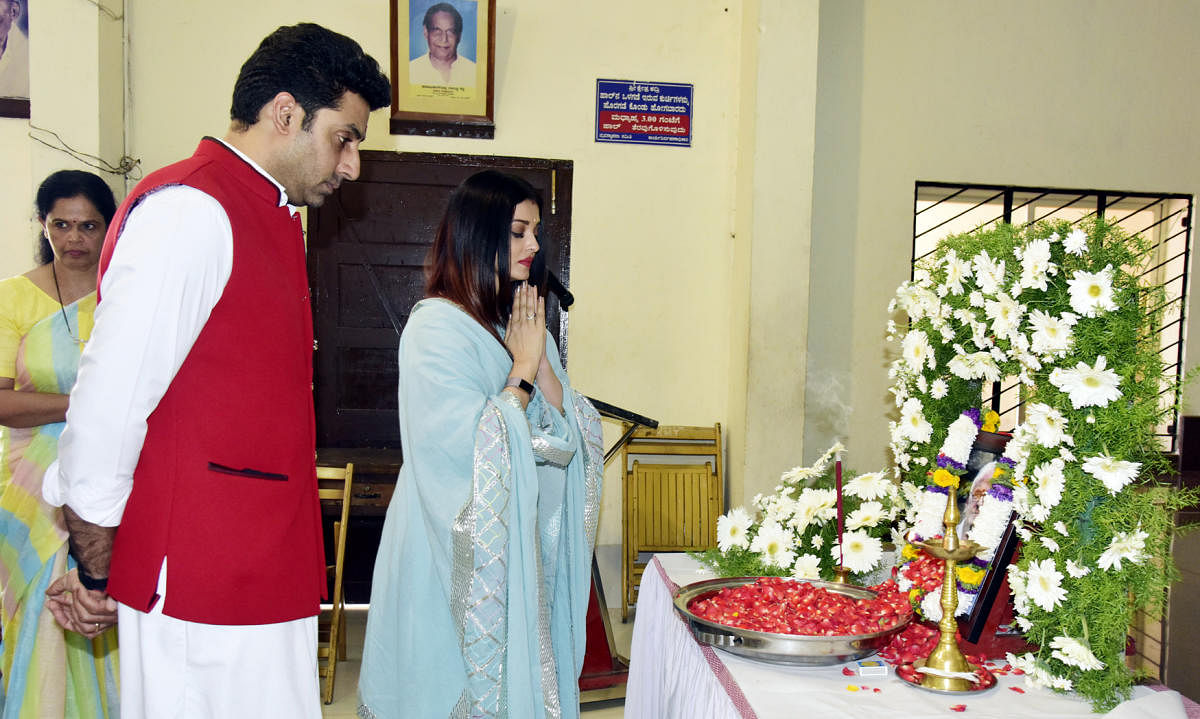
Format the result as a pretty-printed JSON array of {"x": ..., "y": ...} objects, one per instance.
[{"x": 673, "y": 676}]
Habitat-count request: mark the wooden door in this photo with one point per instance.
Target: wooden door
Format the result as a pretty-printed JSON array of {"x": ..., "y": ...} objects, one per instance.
[{"x": 366, "y": 254}]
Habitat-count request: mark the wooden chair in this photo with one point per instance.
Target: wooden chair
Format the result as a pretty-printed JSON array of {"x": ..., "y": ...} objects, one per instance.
[
  {"x": 334, "y": 485},
  {"x": 671, "y": 500}
]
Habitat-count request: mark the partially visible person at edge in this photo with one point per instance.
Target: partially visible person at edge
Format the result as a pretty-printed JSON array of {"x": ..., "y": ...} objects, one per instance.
[
  {"x": 186, "y": 469},
  {"x": 482, "y": 578},
  {"x": 45, "y": 318},
  {"x": 442, "y": 28},
  {"x": 14, "y": 52}
]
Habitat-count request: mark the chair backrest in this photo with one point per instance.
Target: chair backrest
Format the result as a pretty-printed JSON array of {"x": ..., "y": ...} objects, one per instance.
[{"x": 336, "y": 484}]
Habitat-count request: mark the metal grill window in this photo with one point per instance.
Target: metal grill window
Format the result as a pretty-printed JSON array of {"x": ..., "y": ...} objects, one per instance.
[{"x": 941, "y": 209}]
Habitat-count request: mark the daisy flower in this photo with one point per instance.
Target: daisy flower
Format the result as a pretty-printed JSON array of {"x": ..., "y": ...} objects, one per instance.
[
  {"x": 774, "y": 543},
  {"x": 872, "y": 485},
  {"x": 1129, "y": 546},
  {"x": 1050, "y": 334},
  {"x": 1048, "y": 425},
  {"x": 817, "y": 541},
  {"x": 869, "y": 514},
  {"x": 1061, "y": 528},
  {"x": 989, "y": 273},
  {"x": 1049, "y": 543},
  {"x": 807, "y": 566},
  {"x": 1069, "y": 650},
  {"x": 1076, "y": 570},
  {"x": 917, "y": 351},
  {"x": 732, "y": 528},
  {"x": 1044, "y": 585},
  {"x": 1005, "y": 314},
  {"x": 1036, "y": 265},
  {"x": 1093, "y": 386},
  {"x": 975, "y": 365},
  {"x": 859, "y": 551},
  {"x": 1076, "y": 242},
  {"x": 913, "y": 425},
  {"x": 938, "y": 388},
  {"x": 1113, "y": 473},
  {"x": 957, "y": 270},
  {"x": 1092, "y": 292},
  {"x": 1050, "y": 482}
]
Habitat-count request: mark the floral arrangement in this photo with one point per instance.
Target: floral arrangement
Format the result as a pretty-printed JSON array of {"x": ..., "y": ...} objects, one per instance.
[
  {"x": 794, "y": 532},
  {"x": 1059, "y": 309}
]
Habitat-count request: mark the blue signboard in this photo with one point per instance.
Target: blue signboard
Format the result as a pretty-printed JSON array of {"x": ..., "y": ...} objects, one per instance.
[{"x": 644, "y": 113}]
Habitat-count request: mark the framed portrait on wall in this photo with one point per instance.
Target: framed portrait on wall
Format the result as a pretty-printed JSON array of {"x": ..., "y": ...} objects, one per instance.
[
  {"x": 14, "y": 58},
  {"x": 443, "y": 57}
]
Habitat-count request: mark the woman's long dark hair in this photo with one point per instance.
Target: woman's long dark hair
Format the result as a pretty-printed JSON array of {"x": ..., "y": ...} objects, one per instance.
[
  {"x": 63, "y": 185},
  {"x": 469, "y": 261}
]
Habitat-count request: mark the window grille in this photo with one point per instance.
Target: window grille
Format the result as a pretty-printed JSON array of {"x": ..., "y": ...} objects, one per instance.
[{"x": 941, "y": 209}]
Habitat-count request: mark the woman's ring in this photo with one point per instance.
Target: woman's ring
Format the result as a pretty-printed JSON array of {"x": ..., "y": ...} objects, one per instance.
[
  {"x": 97, "y": 626},
  {"x": 530, "y": 316}
]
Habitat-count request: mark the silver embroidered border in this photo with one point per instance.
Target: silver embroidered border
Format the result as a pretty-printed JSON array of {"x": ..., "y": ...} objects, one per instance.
[
  {"x": 545, "y": 451},
  {"x": 550, "y": 696},
  {"x": 479, "y": 577},
  {"x": 588, "y": 420}
]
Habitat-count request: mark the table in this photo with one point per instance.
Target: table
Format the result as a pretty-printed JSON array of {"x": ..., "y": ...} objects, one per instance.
[{"x": 673, "y": 676}]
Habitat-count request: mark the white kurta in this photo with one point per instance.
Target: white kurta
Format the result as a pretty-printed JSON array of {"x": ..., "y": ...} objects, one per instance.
[{"x": 166, "y": 275}]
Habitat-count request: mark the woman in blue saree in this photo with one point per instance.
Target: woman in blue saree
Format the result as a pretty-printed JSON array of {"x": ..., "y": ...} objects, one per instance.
[{"x": 482, "y": 579}]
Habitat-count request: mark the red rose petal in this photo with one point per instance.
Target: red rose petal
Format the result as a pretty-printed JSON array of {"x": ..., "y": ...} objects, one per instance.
[
  {"x": 1018, "y": 690},
  {"x": 848, "y": 671},
  {"x": 958, "y": 708}
]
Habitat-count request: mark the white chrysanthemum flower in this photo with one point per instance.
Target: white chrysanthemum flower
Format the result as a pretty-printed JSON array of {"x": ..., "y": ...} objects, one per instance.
[
  {"x": 975, "y": 299},
  {"x": 1076, "y": 242},
  {"x": 931, "y": 606},
  {"x": 1061, "y": 528},
  {"x": 922, "y": 383},
  {"x": 1066, "y": 454},
  {"x": 917, "y": 351},
  {"x": 1050, "y": 482},
  {"x": 1048, "y": 425},
  {"x": 911, "y": 492},
  {"x": 1113, "y": 473},
  {"x": 859, "y": 551},
  {"x": 774, "y": 544},
  {"x": 872, "y": 485},
  {"x": 807, "y": 566},
  {"x": 1069, "y": 650},
  {"x": 990, "y": 523},
  {"x": 1077, "y": 570},
  {"x": 1005, "y": 314},
  {"x": 1049, "y": 543},
  {"x": 989, "y": 273},
  {"x": 817, "y": 541},
  {"x": 913, "y": 425},
  {"x": 930, "y": 508},
  {"x": 1038, "y": 513},
  {"x": 1092, "y": 292},
  {"x": 1125, "y": 546},
  {"x": 732, "y": 530},
  {"x": 1044, "y": 585},
  {"x": 938, "y": 388},
  {"x": 975, "y": 365},
  {"x": 1062, "y": 684},
  {"x": 1093, "y": 386},
  {"x": 1051, "y": 335},
  {"x": 1036, "y": 265},
  {"x": 960, "y": 437},
  {"x": 869, "y": 514},
  {"x": 814, "y": 506},
  {"x": 957, "y": 270}
]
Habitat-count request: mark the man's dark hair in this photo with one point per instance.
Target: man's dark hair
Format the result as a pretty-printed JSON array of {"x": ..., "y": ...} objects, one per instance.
[
  {"x": 448, "y": 9},
  {"x": 63, "y": 185},
  {"x": 469, "y": 260},
  {"x": 316, "y": 65}
]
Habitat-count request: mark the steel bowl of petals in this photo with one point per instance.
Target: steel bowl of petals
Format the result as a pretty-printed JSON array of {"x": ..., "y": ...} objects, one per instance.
[{"x": 803, "y": 622}]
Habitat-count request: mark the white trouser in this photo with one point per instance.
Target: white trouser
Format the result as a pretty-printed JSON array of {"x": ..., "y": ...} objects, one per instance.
[{"x": 172, "y": 669}]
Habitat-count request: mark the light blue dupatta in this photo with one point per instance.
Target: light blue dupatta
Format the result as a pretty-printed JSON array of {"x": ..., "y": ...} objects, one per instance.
[{"x": 481, "y": 582}]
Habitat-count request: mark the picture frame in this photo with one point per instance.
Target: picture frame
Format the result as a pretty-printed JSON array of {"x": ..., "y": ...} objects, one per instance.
[
  {"x": 443, "y": 77},
  {"x": 14, "y": 61}
]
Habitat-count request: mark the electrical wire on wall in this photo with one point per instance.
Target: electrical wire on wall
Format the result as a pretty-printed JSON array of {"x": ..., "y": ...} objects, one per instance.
[{"x": 127, "y": 166}]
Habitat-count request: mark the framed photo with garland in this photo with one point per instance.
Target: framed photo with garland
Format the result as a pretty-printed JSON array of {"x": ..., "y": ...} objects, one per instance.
[{"x": 443, "y": 67}]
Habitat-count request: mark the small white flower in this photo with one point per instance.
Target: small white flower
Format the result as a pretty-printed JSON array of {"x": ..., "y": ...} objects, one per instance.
[
  {"x": 1129, "y": 546},
  {"x": 872, "y": 485},
  {"x": 1050, "y": 482},
  {"x": 1061, "y": 683},
  {"x": 1093, "y": 386},
  {"x": 1049, "y": 543},
  {"x": 1069, "y": 650},
  {"x": 938, "y": 388},
  {"x": 1061, "y": 528},
  {"x": 1005, "y": 314},
  {"x": 917, "y": 351},
  {"x": 774, "y": 543},
  {"x": 1036, "y": 265},
  {"x": 956, "y": 271},
  {"x": 1092, "y": 292},
  {"x": 1077, "y": 570},
  {"x": 1113, "y": 473},
  {"x": 817, "y": 541},
  {"x": 732, "y": 528},
  {"x": 913, "y": 425},
  {"x": 1076, "y": 242},
  {"x": 869, "y": 514},
  {"x": 1050, "y": 334},
  {"x": 859, "y": 552},
  {"x": 976, "y": 299},
  {"x": 1048, "y": 424},
  {"x": 807, "y": 566},
  {"x": 989, "y": 273},
  {"x": 975, "y": 365},
  {"x": 1044, "y": 585}
]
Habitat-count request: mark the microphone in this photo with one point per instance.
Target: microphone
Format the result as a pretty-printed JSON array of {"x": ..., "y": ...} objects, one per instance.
[{"x": 555, "y": 285}]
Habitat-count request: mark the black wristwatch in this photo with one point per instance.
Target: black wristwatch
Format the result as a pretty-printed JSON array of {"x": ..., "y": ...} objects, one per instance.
[{"x": 521, "y": 384}]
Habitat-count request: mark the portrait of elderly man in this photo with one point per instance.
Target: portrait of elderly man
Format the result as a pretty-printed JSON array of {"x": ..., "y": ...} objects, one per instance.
[
  {"x": 14, "y": 52},
  {"x": 442, "y": 28}
]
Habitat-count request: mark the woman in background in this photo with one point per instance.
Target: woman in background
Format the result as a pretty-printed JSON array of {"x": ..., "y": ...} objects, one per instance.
[
  {"x": 482, "y": 579},
  {"x": 45, "y": 317}
]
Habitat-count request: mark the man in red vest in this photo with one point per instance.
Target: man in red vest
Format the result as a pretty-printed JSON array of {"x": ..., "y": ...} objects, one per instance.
[{"x": 186, "y": 470}]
